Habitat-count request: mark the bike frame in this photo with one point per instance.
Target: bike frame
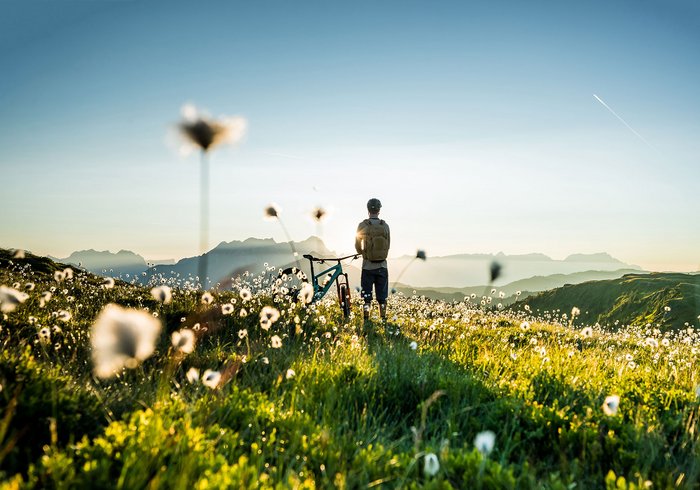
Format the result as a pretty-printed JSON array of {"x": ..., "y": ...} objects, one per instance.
[{"x": 337, "y": 276}]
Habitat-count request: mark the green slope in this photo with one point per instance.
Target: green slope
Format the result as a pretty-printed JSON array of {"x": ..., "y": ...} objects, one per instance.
[{"x": 635, "y": 299}]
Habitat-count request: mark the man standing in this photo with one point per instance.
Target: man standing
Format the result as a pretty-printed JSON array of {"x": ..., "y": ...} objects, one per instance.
[{"x": 372, "y": 241}]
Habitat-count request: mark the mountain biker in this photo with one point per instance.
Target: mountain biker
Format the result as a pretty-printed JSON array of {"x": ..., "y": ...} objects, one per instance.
[{"x": 372, "y": 241}]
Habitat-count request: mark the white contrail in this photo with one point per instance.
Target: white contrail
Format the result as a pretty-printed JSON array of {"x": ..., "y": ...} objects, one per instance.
[{"x": 624, "y": 122}]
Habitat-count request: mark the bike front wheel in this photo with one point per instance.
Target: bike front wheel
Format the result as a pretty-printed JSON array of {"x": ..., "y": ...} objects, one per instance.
[{"x": 344, "y": 298}]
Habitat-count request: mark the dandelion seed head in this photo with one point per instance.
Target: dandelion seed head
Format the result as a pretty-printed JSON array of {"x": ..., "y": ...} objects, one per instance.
[
  {"x": 163, "y": 294},
  {"x": 207, "y": 298},
  {"x": 611, "y": 404},
  {"x": 211, "y": 378},
  {"x": 485, "y": 441},
  {"x": 431, "y": 464},
  {"x": 183, "y": 340},
  {"x": 11, "y": 298},
  {"x": 275, "y": 342}
]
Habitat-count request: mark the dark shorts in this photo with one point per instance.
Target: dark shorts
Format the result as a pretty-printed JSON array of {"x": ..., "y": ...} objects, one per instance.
[{"x": 379, "y": 279}]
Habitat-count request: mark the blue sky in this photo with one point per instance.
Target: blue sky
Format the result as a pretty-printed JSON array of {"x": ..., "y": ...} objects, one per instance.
[{"x": 474, "y": 122}]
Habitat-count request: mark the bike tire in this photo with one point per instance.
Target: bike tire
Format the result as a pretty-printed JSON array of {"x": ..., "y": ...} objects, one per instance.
[
  {"x": 294, "y": 289},
  {"x": 344, "y": 300}
]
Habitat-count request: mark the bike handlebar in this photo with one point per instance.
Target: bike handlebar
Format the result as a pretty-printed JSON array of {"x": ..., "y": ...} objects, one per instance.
[{"x": 317, "y": 259}]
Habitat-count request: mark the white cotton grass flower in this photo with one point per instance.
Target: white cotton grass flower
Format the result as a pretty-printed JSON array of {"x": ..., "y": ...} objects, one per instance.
[
  {"x": 276, "y": 342},
  {"x": 183, "y": 340},
  {"x": 413, "y": 345},
  {"x": 64, "y": 315},
  {"x": 306, "y": 293},
  {"x": 485, "y": 441},
  {"x": 611, "y": 404},
  {"x": 44, "y": 298},
  {"x": 108, "y": 283},
  {"x": 59, "y": 276},
  {"x": 207, "y": 298},
  {"x": 201, "y": 131},
  {"x": 667, "y": 309},
  {"x": 243, "y": 333},
  {"x": 525, "y": 326},
  {"x": 272, "y": 211},
  {"x": 120, "y": 338},
  {"x": 30, "y": 286},
  {"x": 227, "y": 308},
  {"x": 45, "y": 335},
  {"x": 11, "y": 298},
  {"x": 290, "y": 373},
  {"x": 575, "y": 312},
  {"x": 211, "y": 378},
  {"x": 270, "y": 314},
  {"x": 163, "y": 294},
  {"x": 586, "y": 332},
  {"x": 192, "y": 375},
  {"x": 652, "y": 342},
  {"x": 431, "y": 464},
  {"x": 245, "y": 294},
  {"x": 243, "y": 313}
]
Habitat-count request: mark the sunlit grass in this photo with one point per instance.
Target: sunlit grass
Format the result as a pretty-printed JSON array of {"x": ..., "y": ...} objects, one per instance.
[{"x": 294, "y": 395}]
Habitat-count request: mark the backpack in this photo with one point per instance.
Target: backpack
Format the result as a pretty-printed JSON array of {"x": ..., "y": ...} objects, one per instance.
[{"x": 376, "y": 238}]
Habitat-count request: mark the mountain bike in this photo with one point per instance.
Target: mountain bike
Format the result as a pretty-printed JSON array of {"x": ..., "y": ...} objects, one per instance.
[{"x": 321, "y": 281}]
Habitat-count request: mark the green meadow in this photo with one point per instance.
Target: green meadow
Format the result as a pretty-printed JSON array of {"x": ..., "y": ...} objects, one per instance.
[{"x": 311, "y": 400}]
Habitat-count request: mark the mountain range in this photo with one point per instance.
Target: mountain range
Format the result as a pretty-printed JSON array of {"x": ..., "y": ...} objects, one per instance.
[{"x": 451, "y": 271}]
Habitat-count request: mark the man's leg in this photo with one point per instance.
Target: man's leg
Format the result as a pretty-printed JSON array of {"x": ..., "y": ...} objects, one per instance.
[
  {"x": 382, "y": 287},
  {"x": 366, "y": 285}
]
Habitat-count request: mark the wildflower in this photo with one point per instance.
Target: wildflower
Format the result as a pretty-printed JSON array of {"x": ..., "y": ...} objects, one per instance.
[
  {"x": 243, "y": 313},
  {"x": 518, "y": 293},
  {"x": 203, "y": 132},
  {"x": 431, "y": 465},
  {"x": 192, "y": 375},
  {"x": 272, "y": 211},
  {"x": 211, "y": 378},
  {"x": 318, "y": 214},
  {"x": 227, "y": 309},
  {"x": 207, "y": 298},
  {"x": 665, "y": 342},
  {"x": 413, "y": 345},
  {"x": 245, "y": 294},
  {"x": 10, "y": 299},
  {"x": 667, "y": 309},
  {"x": 265, "y": 360},
  {"x": 525, "y": 326},
  {"x": 45, "y": 298},
  {"x": 121, "y": 338},
  {"x": 306, "y": 293},
  {"x": 243, "y": 333},
  {"x": 485, "y": 441},
  {"x": 586, "y": 332},
  {"x": 527, "y": 308},
  {"x": 68, "y": 273},
  {"x": 30, "y": 286},
  {"x": 501, "y": 295},
  {"x": 652, "y": 342},
  {"x": 275, "y": 342},
  {"x": 162, "y": 294},
  {"x": 495, "y": 270},
  {"x": 270, "y": 314},
  {"x": 611, "y": 404},
  {"x": 575, "y": 312},
  {"x": 64, "y": 315},
  {"x": 183, "y": 340},
  {"x": 290, "y": 373},
  {"x": 108, "y": 283},
  {"x": 420, "y": 254},
  {"x": 45, "y": 335}
]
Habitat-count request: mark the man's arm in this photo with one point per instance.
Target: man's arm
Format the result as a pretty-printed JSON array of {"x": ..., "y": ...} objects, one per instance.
[{"x": 359, "y": 238}]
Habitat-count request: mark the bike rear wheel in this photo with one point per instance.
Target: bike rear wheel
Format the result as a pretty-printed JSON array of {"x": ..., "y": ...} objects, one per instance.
[
  {"x": 290, "y": 281},
  {"x": 344, "y": 298}
]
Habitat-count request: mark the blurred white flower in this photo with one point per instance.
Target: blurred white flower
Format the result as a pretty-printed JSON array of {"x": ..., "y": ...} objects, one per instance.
[
  {"x": 275, "y": 342},
  {"x": 192, "y": 375},
  {"x": 245, "y": 294},
  {"x": 211, "y": 378},
  {"x": 525, "y": 326},
  {"x": 652, "y": 342},
  {"x": 68, "y": 273},
  {"x": 485, "y": 441},
  {"x": 270, "y": 314},
  {"x": 243, "y": 313},
  {"x": 183, "y": 340},
  {"x": 11, "y": 298},
  {"x": 611, "y": 404},
  {"x": 45, "y": 298},
  {"x": 203, "y": 132},
  {"x": 290, "y": 373},
  {"x": 121, "y": 338},
  {"x": 413, "y": 345},
  {"x": 227, "y": 309},
  {"x": 207, "y": 298},
  {"x": 667, "y": 309},
  {"x": 306, "y": 293},
  {"x": 108, "y": 283},
  {"x": 586, "y": 332},
  {"x": 64, "y": 315},
  {"x": 45, "y": 335},
  {"x": 575, "y": 312},
  {"x": 163, "y": 294},
  {"x": 431, "y": 465},
  {"x": 243, "y": 333}
]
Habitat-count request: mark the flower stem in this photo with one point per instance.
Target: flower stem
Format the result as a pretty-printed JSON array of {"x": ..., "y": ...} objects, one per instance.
[{"x": 203, "y": 220}]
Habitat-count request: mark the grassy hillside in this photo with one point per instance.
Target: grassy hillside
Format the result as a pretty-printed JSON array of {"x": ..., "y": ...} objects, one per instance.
[
  {"x": 313, "y": 401},
  {"x": 666, "y": 300}
]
